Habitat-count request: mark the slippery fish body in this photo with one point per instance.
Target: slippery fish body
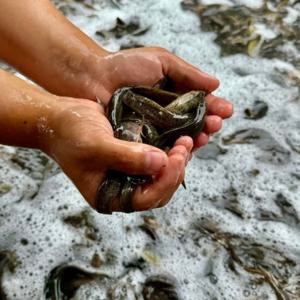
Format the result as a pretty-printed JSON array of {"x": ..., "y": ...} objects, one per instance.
[{"x": 152, "y": 116}]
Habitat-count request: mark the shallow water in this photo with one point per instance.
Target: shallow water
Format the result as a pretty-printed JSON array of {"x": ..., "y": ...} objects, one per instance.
[{"x": 233, "y": 234}]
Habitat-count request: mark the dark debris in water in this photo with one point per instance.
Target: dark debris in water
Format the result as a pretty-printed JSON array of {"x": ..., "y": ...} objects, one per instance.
[
  {"x": 286, "y": 78},
  {"x": 209, "y": 272},
  {"x": 270, "y": 265},
  {"x": 65, "y": 280},
  {"x": 296, "y": 175},
  {"x": 8, "y": 262},
  {"x": 35, "y": 166},
  {"x": 258, "y": 110},
  {"x": 96, "y": 261},
  {"x": 116, "y": 3},
  {"x": 150, "y": 227},
  {"x": 266, "y": 215},
  {"x": 294, "y": 145},
  {"x": 136, "y": 263},
  {"x": 237, "y": 30},
  {"x": 71, "y": 7},
  {"x": 230, "y": 199},
  {"x": 130, "y": 45},
  {"x": 4, "y": 188},
  {"x": 211, "y": 151},
  {"x": 83, "y": 221},
  {"x": 68, "y": 7},
  {"x": 160, "y": 287},
  {"x": 273, "y": 152},
  {"x": 288, "y": 214},
  {"x": 122, "y": 28}
]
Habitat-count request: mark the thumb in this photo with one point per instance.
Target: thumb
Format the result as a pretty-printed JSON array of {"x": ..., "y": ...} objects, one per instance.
[{"x": 132, "y": 158}]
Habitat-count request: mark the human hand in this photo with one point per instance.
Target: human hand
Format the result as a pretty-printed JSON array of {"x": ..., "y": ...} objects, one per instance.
[
  {"x": 77, "y": 134},
  {"x": 82, "y": 143},
  {"x": 149, "y": 66},
  {"x": 145, "y": 66},
  {"x": 69, "y": 63}
]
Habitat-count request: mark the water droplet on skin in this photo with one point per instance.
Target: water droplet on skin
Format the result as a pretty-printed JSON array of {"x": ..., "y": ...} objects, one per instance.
[{"x": 28, "y": 98}]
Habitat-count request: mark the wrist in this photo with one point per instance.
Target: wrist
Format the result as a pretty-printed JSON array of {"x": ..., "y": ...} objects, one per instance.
[
  {"x": 56, "y": 54},
  {"x": 87, "y": 74},
  {"x": 60, "y": 131},
  {"x": 25, "y": 113},
  {"x": 45, "y": 128}
]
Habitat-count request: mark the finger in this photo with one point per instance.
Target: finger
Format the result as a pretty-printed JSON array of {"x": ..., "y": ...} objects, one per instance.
[
  {"x": 201, "y": 140},
  {"x": 212, "y": 124},
  {"x": 185, "y": 141},
  {"x": 130, "y": 157},
  {"x": 219, "y": 106},
  {"x": 188, "y": 143},
  {"x": 167, "y": 200},
  {"x": 165, "y": 184},
  {"x": 186, "y": 76}
]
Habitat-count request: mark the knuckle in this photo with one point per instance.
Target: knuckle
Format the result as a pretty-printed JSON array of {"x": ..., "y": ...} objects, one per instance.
[{"x": 161, "y": 50}]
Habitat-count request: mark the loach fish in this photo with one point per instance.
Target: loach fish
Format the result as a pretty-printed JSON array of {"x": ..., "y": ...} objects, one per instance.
[{"x": 152, "y": 116}]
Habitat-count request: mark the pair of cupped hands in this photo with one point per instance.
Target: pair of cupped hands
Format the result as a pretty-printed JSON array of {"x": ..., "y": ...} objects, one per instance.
[{"x": 82, "y": 140}]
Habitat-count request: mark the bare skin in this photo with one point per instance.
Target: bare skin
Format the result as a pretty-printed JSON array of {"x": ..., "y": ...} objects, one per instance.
[{"x": 75, "y": 131}]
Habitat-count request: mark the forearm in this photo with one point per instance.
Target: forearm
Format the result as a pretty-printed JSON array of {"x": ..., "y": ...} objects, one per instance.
[
  {"x": 40, "y": 42},
  {"x": 25, "y": 113}
]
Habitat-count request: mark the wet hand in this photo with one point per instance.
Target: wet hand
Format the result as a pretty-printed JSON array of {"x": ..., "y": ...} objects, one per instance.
[
  {"x": 83, "y": 145},
  {"x": 149, "y": 66}
]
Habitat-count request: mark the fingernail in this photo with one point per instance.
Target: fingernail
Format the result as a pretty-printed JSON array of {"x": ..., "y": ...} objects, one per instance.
[
  {"x": 213, "y": 82},
  {"x": 155, "y": 161}
]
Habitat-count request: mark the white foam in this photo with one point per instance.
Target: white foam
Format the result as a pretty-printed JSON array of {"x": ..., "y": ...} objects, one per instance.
[{"x": 180, "y": 250}]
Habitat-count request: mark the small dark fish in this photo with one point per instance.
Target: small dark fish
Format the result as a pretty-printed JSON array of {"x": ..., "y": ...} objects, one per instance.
[
  {"x": 273, "y": 152},
  {"x": 122, "y": 28},
  {"x": 257, "y": 111},
  {"x": 160, "y": 287},
  {"x": 8, "y": 262},
  {"x": 65, "y": 280},
  {"x": 210, "y": 151},
  {"x": 152, "y": 116}
]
